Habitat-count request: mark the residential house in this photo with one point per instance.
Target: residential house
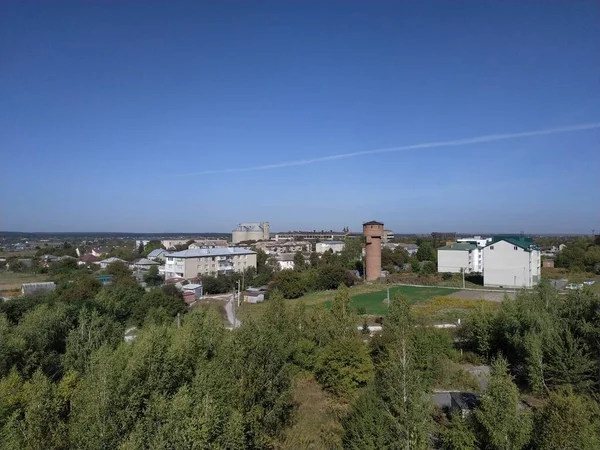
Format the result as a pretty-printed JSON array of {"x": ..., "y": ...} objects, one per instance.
[
  {"x": 143, "y": 264},
  {"x": 311, "y": 235},
  {"x": 411, "y": 249},
  {"x": 285, "y": 260},
  {"x": 158, "y": 254},
  {"x": 87, "y": 259},
  {"x": 208, "y": 261},
  {"x": 329, "y": 246},
  {"x": 33, "y": 288},
  {"x": 511, "y": 261},
  {"x": 254, "y": 295},
  {"x": 387, "y": 237},
  {"x": 106, "y": 262}
]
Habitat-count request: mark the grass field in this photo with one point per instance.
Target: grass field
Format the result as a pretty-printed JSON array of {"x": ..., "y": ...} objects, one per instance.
[
  {"x": 374, "y": 302},
  {"x": 10, "y": 281}
]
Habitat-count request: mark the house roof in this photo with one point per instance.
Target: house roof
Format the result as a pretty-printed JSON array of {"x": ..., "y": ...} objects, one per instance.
[
  {"x": 332, "y": 242},
  {"x": 373, "y": 222},
  {"x": 459, "y": 246},
  {"x": 157, "y": 252},
  {"x": 219, "y": 251},
  {"x": 145, "y": 262},
  {"x": 409, "y": 246},
  {"x": 526, "y": 243},
  {"x": 89, "y": 258},
  {"x": 112, "y": 259}
]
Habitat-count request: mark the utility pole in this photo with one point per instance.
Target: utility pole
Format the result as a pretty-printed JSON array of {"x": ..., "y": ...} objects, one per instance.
[
  {"x": 515, "y": 284},
  {"x": 178, "y": 320},
  {"x": 233, "y": 307},
  {"x": 239, "y": 292},
  {"x": 462, "y": 269}
]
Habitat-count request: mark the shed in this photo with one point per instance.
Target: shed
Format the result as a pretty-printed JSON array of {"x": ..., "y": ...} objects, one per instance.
[
  {"x": 254, "y": 296},
  {"x": 196, "y": 289},
  {"x": 189, "y": 297}
]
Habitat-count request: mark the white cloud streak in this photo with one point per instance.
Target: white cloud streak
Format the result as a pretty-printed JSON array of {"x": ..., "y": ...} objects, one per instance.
[{"x": 427, "y": 145}]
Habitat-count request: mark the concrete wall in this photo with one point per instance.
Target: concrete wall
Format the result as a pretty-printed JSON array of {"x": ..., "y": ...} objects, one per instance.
[
  {"x": 452, "y": 260},
  {"x": 507, "y": 265}
]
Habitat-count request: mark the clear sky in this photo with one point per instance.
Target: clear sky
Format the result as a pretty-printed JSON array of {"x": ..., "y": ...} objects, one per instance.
[{"x": 135, "y": 116}]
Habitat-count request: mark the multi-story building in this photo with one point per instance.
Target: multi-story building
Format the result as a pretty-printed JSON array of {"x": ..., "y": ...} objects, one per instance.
[
  {"x": 251, "y": 231},
  {"x": 208, "y": 243},
  {"x": 310, "y": 235},
  {"x": 333, "y": 246},
  {"x": 388, "y": 236},
  {"x": 455, "y": 258},
  {"x": 511, "y": 261},
  {"x": 477, "y": 240},
  {"x": 208, "y": 261},
  {"x": 278, "y": 248}
]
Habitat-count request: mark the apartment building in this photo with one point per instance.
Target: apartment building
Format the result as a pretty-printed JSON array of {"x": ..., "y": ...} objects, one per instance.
[
  {"x": 279, "y": 248},
  {"x": 511, "y": 261},
  {"x": 333, "y": 246},
  {"x": 454, "y": 258},
  {"x": 208, "y": 261}
]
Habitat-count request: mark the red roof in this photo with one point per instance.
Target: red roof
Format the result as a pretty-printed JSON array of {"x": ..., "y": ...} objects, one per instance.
[{"x": 88, "y": 258}]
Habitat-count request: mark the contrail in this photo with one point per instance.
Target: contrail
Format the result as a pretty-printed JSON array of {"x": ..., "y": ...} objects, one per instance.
[{"x": 455, "y": 143}]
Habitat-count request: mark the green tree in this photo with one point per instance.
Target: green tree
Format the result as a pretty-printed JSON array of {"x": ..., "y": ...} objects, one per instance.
[
  {"x": 151, "y": 246},
  {"x": 502, "y": 425},
  {"x": 119, "y": 300},
  {"x": 457, "y": 435},
  {"x": 344, "y": 317},
  {"x": 299, "y": 262},
  {"x": 152, "y": 278},
  {"x": 154, "y": 300},
  {"x": 566, "y": 422},
  {"x": 140, "y": 249},
  {"x": 289, "y": 283},
  {"x": 344, "y": 366},
  {"x": 426, "y": 252}
]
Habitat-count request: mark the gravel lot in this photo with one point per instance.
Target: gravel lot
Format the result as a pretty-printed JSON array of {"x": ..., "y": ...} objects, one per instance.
[{"x": 481, "y": 295}]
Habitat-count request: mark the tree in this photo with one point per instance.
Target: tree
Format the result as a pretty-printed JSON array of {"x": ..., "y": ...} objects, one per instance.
[
  {"x": 140, "y": 249},
  {"x": 566, "y": 422},
  {"x": 299, "y": 262},
  {"x": 344, "y": 366},
  {"x": 289, "y": 283},
  {"x": 399, "y": 383},
  {"x": 426, "y": 252},
  {"x": 120, "y": 272},
  {"x": 502, "y": 425},
  {"x": 119, "y": 300},
  {"x": 152, "y": 278},
  {"x": 151, "y": 246},
  {"x": 344, "y": 318},
  {"x": 157, "y": 299},
  {"x": 457, "y": 435}
]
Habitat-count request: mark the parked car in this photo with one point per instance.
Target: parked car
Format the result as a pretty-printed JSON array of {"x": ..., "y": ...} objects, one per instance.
[{"x": 573, "y": 286}]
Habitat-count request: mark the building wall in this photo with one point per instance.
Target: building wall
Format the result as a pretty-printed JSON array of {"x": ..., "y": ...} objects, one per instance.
[
  {"x": 507, "y": 265},
  {"x": 322, "y": 247},
  {"x": 208, "y": 265},
  {"x": 452, "y": 261},
  {"x": 278, "y": 248}
]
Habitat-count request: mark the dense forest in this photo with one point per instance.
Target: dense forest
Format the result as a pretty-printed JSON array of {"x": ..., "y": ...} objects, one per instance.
[{"x": 69, "y": 380}]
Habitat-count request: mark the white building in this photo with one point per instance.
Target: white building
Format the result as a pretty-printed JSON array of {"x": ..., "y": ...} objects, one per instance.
[
  {"x": 278, "y": 248},
  {"x": 455, "y": 258},
  {"x": 477, "y": 240},
  {"x": 511, "y": 261},
  {"x": 334, "y": 246},
  {"x": 208, "y": 261},
  {"x": 157, "y": 254},
  {"x": 251, "y": 231}
]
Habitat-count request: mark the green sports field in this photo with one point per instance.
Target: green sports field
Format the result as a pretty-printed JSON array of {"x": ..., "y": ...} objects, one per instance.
[{"x": 374, "y": 302}]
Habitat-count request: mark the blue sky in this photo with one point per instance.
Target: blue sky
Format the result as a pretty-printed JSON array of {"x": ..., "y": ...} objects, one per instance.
[{"x": 113, "y": 112}]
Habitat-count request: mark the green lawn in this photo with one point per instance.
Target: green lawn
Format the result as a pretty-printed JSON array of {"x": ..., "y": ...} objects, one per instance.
[{"x": 374, "y": 302}]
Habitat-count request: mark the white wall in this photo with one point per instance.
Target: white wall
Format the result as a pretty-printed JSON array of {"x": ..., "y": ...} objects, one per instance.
[
  {"x": 507, "y": 265},
  {"x": 452, "y": 260}
]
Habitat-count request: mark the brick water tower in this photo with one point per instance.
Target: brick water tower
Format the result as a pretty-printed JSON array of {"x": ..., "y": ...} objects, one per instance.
[{"x": 373, "y": 232}]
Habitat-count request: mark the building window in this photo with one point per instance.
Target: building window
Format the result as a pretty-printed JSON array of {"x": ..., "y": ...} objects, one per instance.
[
  {"x": 491, "y": 247},
  {"x": 516, "y": 248}
]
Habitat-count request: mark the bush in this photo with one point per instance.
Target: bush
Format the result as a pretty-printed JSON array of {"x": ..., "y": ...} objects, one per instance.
[{"x": 447, "y": 276}]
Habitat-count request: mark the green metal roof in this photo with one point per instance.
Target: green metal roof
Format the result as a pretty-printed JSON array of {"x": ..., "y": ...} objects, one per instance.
[
  {"x": 526, "y": 243},
  {"x": 459, "y": 246}
]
